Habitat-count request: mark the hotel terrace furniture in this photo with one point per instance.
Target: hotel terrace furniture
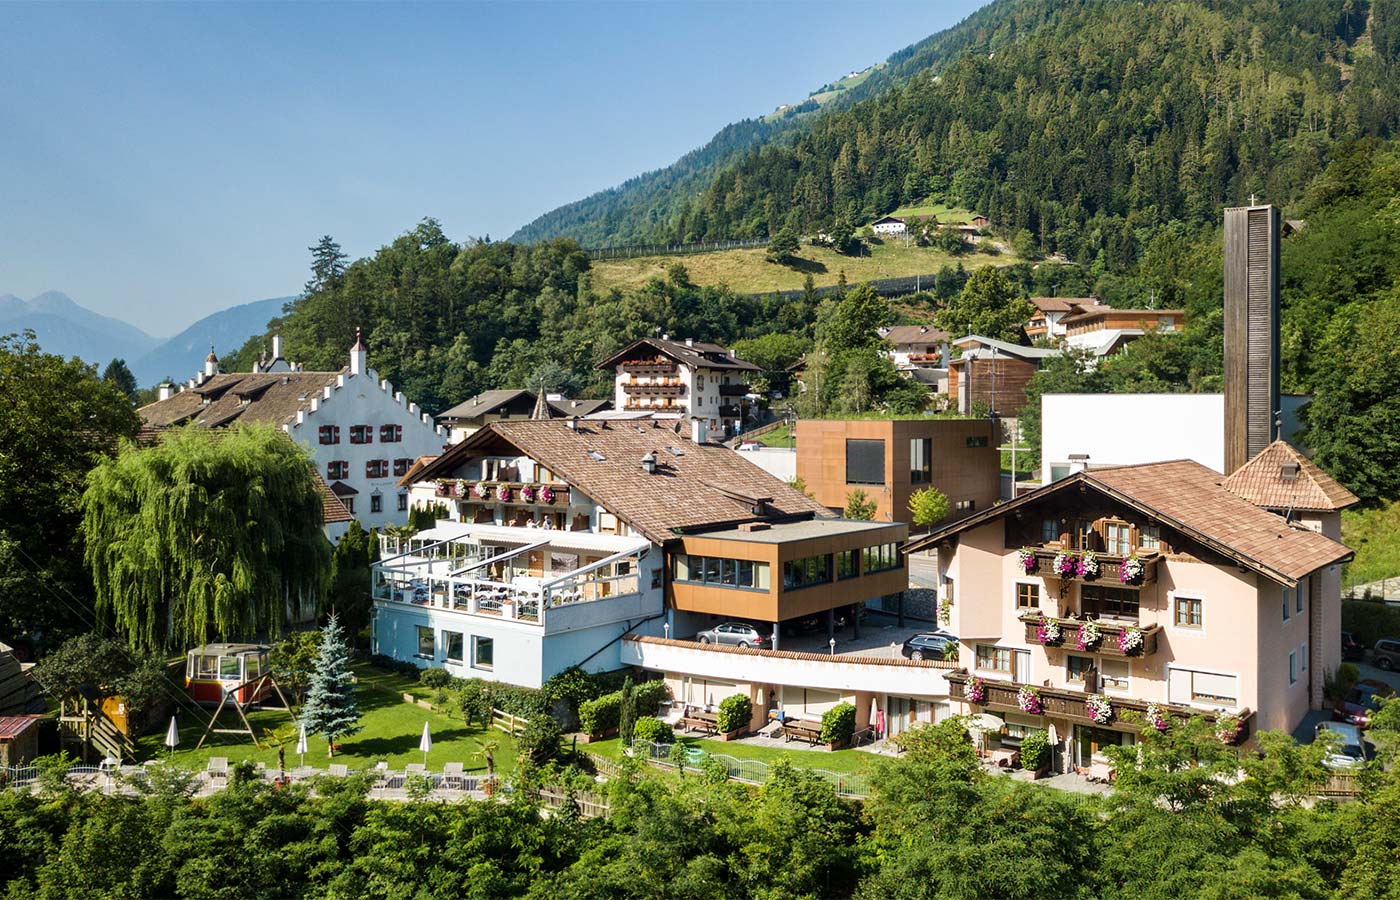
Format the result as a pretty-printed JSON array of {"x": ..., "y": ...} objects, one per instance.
[
  {"x": 1163, "y": 590},
  {"x": 802, "y": 730},
  {"x": 700, "y": 720}
]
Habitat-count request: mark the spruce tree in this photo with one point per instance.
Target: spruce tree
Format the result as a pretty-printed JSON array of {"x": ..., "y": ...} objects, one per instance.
[
  {"x": 330, "y": 702},
  {"x": 627, "y": 713}
]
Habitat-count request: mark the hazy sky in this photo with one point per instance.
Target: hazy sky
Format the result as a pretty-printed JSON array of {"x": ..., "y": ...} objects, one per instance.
[{"x": 163, "y": 161}]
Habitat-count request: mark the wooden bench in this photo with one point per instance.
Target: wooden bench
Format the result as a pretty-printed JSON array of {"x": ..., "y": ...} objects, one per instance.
[{"x": 811, "y": 732}]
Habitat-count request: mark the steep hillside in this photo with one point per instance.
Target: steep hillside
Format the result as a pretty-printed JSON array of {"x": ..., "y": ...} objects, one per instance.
[
  {"x": 226, "y": 330},
  {"x": 68, "y": 329},
  {"x": 1077, "y": 122}
]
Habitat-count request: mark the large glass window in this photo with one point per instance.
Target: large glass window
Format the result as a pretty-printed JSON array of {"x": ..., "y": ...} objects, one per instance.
[
  {"x": 865, "y": 461},
  {"x": 846, "y": 564},
  {"x": 1049, "y": 530},
  {"x": 1077, "y": 667},
  {"x": 452, "y": 641},
  {"x": 426, "y": 647},
  {"x": 1117, "y": 603},
  {"x": 800, "y": 573},
  {"x": 920, "y": 460},
  {"x": 881, "y": 558},
  {"x": 483, "y": 652},
  {"x": 720, "y": 572},
  {"x": 1150, "y": 537},
  {"x": 1118, "y": 538}
]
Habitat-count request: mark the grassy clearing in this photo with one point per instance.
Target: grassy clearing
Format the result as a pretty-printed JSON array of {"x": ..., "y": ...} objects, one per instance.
[
  {"x": 778, "y": 437},
  {"x": 947, "y": 215},
  {"x": 392, "y": 729},
  {"x": 749, "y": 271},
  {"x": 1375, "y": 536},
  {"x": 845, "y": 762}
]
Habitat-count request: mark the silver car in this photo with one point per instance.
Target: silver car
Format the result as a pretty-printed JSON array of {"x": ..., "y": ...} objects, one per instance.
[{"x": 735, "y": 634}]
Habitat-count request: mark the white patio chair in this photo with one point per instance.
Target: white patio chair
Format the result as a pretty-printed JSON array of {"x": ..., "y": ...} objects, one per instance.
[
  {"x": 415, "y": 769},
  {"x": 218, "y": 767},
  {"x": 452, "y": 774},
  {"x": 339, "y": 771}
]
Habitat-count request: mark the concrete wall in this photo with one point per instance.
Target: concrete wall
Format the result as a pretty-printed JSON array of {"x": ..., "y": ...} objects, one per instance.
[{"x": 779, "y": 462}]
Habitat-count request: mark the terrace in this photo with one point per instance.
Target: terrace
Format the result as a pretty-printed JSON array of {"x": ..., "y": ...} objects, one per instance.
[{"x": 508, "y": 572}]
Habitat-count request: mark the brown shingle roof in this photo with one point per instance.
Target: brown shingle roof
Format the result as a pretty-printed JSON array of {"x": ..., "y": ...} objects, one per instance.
[
  {"x": 915, "y": 334},
  {"x": 1261, "y": 482},
  {"x": 696, "y": 353},
  {"x": 411, "y": 475},
  {"x": 1190, "y": 498},
  {"x": 272, "y": 397},
  {"x": 1060, "y": 304},
  {"x": 700, "y": 486}
]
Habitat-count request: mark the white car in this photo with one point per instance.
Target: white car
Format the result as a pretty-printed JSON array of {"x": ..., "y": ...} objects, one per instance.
[{"x": 750, "y": 445}]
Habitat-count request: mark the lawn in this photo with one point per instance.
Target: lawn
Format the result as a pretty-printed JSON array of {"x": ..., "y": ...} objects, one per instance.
[
  {"x": 392, "y": 729},
  {"x": 749, "y": 271},
  {"x": 778, "y": 437},
  {"x": 1374, "y": 534},
  {"x": 955, "y": 215},
  {"x": 845, "y": 762}
]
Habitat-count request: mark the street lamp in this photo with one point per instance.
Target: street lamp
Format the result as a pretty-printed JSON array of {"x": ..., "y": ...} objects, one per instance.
[{"x": 832, "y": 644}]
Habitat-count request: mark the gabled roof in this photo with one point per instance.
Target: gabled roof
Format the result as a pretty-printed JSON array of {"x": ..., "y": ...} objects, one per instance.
[
  {"x": 411, "y": 475},
  {"x": 888, "y": 220},
  {"x": 915, "y": 334},
  {"x": 697, "y": 353},
  {"x": 694, "y": 485},
  {"x": 341, "y": 489},
  {"x": 1189, "y": 497},
  {"x": 1089, "y": 313},
  {"x": 273, "y": 397},
  {"x": 976, "y": 342},
  {"x": 489, "y": 401},
  {"x": 1059, "y": 304},
  {"x": 1263, "y": 482}
]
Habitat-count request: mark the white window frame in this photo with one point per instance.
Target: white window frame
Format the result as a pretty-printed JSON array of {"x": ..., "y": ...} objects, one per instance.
[
  {"x": 1292, "y": 667},
  {"x": 1127, "y": 688}
]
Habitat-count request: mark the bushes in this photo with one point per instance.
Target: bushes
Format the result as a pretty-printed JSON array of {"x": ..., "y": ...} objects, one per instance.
[
  {"x": 650, "y": 728},
  {"x": 1035, "y": 748},
  {"x": 539, "y": 742},
  {"x": 598, "y": 716},
  {"x": 649, "y": 696},
  {"x": 838, "y": 724},
  {"x": 1337, "y": 684},
  {"x": 389, "y": 664},
  {"x": 1370, "y": 621},
  {"x": 735, "y": 712},
  {"x": 435, "y": 678}
]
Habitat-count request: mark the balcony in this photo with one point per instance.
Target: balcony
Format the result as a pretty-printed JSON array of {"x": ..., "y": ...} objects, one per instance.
[
  {"x": 665, "y": 406},
  {"x": 461, "y": 489},
  {"x": 653, "y": 388},
  {"x": 1109, "y": 633},
  {"x": 1110, "y": 568},
  {"x": 652, "y": 367},
  {"x": 733, "y": 390},
  {"x": 730, "y": 412},
  {"x": 1064, "y": 703}
]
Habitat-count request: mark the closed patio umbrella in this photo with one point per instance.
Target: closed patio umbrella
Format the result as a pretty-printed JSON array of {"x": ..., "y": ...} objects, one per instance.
[
  {"x": 425, "y": 743},
  {"x": 172, "y": 735},
  {"x": 301, "y": 744}
]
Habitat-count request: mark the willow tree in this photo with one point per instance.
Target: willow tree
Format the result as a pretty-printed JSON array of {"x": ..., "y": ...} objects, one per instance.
[{"x": 207, "y": 534}]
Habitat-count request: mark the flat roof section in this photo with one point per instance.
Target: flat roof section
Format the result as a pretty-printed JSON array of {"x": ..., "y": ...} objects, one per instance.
[{"x": 781, "y": 533}]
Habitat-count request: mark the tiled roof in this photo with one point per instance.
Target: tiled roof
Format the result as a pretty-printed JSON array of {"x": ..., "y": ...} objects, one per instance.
[
  {"x": 490, "y": 401},
  {"x": 696, "y": 353},
  {"x": 1089, "y": 313},
  {"x": 915, "y": 334},
  {"x": 974, "y": 344},
  {"x": 412, "y": 474},
  {"x": 1060, "y": 304},
  {"x": 1189, "y": 497},
  {"x": 272, "y": 397},
  {"x": 701, "y": 485},
  {"x": 1261, "y": 482}
]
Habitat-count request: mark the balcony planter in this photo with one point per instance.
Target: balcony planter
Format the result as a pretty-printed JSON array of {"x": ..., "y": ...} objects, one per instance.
[
  {"x": 1155, "y": 717},
  {"x": 546, "y": 494},
  {"x": 482, "y": 491},
  {"x": 1088, "y": 637},
  {"x": 976, "y": 690},
  {"x": 1028, "y": 698},
  {"x": 1027, "y": 559},
  {"x": 1049, "y": 633},
  {"x": 504, "y": 493},
  {"x": 1098, "y": 709},
  {"x": 1130, "y": 641},
  {"x": 527, "y": 493},
  {"x": 1131, "y": 571}
]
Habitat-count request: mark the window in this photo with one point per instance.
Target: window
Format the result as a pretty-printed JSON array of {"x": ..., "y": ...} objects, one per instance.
[
  {"x": 964, "y": 506},
  {"x": 920, "y": 460},
  {"x": 1118, "y": 538},
  {"x": 607, "y": 522},
  {"x": 1027, "y": 595},
  {"x": 993, "y": 659},
  {"x": 403, "y": 503},
  {"x": 1303, "y": 657},
  {"x": 402, "y": 465},
  {"x": 699, "y": 382},
  {"x": 390, "y": 434},
  {"x": 1059, "y": 472},
  {"x": 1287, "y": 605},
  {"x": 337, "y": 469},
  {"x": 1150, "y": 537},
  {"x": 452, "y": 644},
  {"x": 1115, "y": 674},
  {"x": 1298, "y": 594},
  {"x": 979, "y": 441},
  {"x": 349, "y": 504},
  {"x": 376, "y": 468},
  {"x": 800, "y": 573},
  {"x": 376, "y": 502},
  {"x": 330, "y": 434},
  {"x": 881, "y": 558},
  {"x": 865, "y": 462},
  {"x": 483, "y": 652},
  {"x": 425, "y": 642},
  {"x": 719, "y": 572},
  {"x": 1049, "y": 530},
  {"x": 1188, "y": 612},
  {"x": 1077, "y": 667},
  {"x": 361, "y": 434},
  {"x": 1292, "y": 666},
  {"x": 1118, "y": 603},
  {"x": 846, "y": 565},
  {"x": 1188, "y": 686}
]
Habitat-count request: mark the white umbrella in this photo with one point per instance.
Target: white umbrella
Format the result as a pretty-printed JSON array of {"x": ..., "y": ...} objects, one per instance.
[
  {"x": 301, "y": 744},
  {"x": 425, "y": 743},
  {"x": 983, "y": 723},
  {"x": 172, "y": 735}
]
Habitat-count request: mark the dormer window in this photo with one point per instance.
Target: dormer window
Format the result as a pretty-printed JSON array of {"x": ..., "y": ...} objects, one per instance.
[{"x": 1288, "y": 472}]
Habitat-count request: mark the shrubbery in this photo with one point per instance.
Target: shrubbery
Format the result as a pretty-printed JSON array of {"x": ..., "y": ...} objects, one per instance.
[
  {"x": 838, "y": 724},
  {"x": 598, "y": 716},
  {"x": 1370, "y": 620},
  {"x": 650, "y": 728},
  {"x": 435, "y": 678},
  {"x": 389, "y": 664},
  {"x": 1035, "y": 747},
  {"x": 735, "y": 712}
]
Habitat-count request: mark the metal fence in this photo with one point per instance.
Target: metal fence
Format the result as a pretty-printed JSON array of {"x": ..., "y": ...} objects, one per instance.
[
  {"x": 674, "y": 249},
  {"x": 753, "y": 771},
  {"x": 1385, "y": 590},
  {"x": 885, "y": 287}
]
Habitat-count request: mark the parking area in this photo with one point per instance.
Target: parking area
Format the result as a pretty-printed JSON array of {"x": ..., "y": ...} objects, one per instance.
[
  {"x": 1307, "y": 728},
  {"x": 880, "y": 636}
]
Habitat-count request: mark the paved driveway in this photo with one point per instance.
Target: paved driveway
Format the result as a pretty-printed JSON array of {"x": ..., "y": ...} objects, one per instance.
[{"x": 1307, "y": 728}]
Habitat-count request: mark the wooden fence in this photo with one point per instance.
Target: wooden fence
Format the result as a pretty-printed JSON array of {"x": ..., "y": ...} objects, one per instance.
[
  {"x": 674, "y": 249},
  {"x": 590, "y": 805},
  {"x": 510, "y": 724}
]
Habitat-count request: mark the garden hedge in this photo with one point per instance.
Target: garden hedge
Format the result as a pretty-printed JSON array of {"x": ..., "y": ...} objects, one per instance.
[
  {"x": 735, "y": 712},
  {"x": 650, "y": 728},
  {"x": 839, "y": 724}
]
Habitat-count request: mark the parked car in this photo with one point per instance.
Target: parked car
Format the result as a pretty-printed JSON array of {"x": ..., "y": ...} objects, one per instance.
[
  {"x": 1387, "y": 654},
  {"x": 1356, "y": 707},
  {"x": 814, "y": 623},
  {"x": 735, "y": 634},
  {"x": 1352, "y": 649},
  {"x": 930, "y": 645},
  {"x": 750, "y": 445},
  {"x": 1350, "y": 752}
]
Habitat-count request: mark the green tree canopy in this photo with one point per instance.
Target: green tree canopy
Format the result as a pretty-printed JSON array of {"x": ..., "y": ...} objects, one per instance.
[
  {"x": 206, "y": 534},
  {"x": 989, "y": 304},
  {"x": 859, "y": 505},
  {"x": 928, "y": 506},
  {"x": 120, "y": 376}
]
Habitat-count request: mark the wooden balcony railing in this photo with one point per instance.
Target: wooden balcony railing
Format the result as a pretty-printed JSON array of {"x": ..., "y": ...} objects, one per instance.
[
  {"x": 1109, "y": 635},
  {"x": 1065, "y": 703},
  {"x": 466, "y": 490},
  {"x": 733, "y": 390},
  {"x": 1110, "y": 568},
  {"x": 649, "y": 368},
  {"x": 730, "y": 412},
  {"x": 653, "y": 389}
]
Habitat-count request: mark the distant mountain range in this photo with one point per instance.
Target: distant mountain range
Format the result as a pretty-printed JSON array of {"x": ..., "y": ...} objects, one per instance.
[{"x": 66, "y": 328}]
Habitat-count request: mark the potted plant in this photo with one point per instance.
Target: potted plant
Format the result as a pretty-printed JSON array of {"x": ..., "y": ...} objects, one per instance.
[
  {"x": 1035, "y": 752},
  {"x": 482, "y": 490},
  {"x": 1131, "y": 571},
  {"x": 460, "y": 489},
  {"x": 1048, "y": 632},
  {"x": 504, "y": 493},
  {"x": 1088, "y": 636},
  {"x": 976, "y": 690},
  {"x": 735, "y": 714},
  {"x": 1026, "y": 557},
  {"x": 1028, "y": 698},
  {"x": 1089, "y": 566},
  {"x": 546, "y": 494},
  {"x": 1130, "y": 640},
  {"x": 1066, "y": 564},
  {"x": 1099, "y": 710},
  {"x": 1156, "y": 717},
  {"x": 838, "y": 725},
  {"x": 527, "y": 493}
]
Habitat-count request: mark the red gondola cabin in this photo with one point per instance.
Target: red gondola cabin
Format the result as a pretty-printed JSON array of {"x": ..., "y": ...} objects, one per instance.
[{"x": 215, "y": 669}]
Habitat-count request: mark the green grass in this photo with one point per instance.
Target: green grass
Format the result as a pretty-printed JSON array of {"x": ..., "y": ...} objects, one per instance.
[
  {"x": 1375, "y": 536},
  {"x": 749, "y": 271},
  {"x": 845, "y": 762},
  {"x": 392, "y": 729},
  {"x": 954, "y": 215},
  {"x": 778, "y": 437}
]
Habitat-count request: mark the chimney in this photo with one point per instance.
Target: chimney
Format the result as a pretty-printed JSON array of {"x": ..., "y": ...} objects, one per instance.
[
  {"x": 358, "y": 356},
  {"x": 167, "y": 390},
  {"x": 690, "y": 342},
  {"x": 698, "y": 432},
  {"x": 1078, "y": 462},
  {"x": 649, "y": 463},
  {"x": 276, "y": 347},
  {"x": 211, "y": 363},
  {"x": 1251, "y": 332}
]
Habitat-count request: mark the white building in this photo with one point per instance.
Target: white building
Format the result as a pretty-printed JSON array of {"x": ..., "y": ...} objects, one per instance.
[
  {"x": 889, "y": 226},
  {"x": 668, "y": 379},
  {"x": 360, "y": 432},
  {"x": 1079, "y": 431}
]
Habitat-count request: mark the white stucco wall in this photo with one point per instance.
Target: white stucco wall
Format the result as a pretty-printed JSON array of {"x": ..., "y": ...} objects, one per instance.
[{"x": 777, "y": 461}]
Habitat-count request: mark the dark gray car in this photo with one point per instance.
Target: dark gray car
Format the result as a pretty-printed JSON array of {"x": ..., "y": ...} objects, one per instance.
[{"x": 930, "y": 645}]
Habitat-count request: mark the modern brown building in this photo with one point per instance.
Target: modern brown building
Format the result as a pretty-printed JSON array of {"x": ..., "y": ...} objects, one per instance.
[
  {"x": 993, "y": 374},
  {"x": 891, "y": 459}
]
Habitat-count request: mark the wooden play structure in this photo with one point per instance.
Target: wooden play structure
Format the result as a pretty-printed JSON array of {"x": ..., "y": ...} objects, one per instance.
[{"x": 233, "y": 675}]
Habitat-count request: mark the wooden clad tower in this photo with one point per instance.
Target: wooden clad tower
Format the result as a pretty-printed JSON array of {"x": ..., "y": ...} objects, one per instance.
[{"x": 1251, "y": 332}]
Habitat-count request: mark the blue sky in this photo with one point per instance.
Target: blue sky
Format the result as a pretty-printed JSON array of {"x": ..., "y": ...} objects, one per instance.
[{"x": 164, "y": 161}]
